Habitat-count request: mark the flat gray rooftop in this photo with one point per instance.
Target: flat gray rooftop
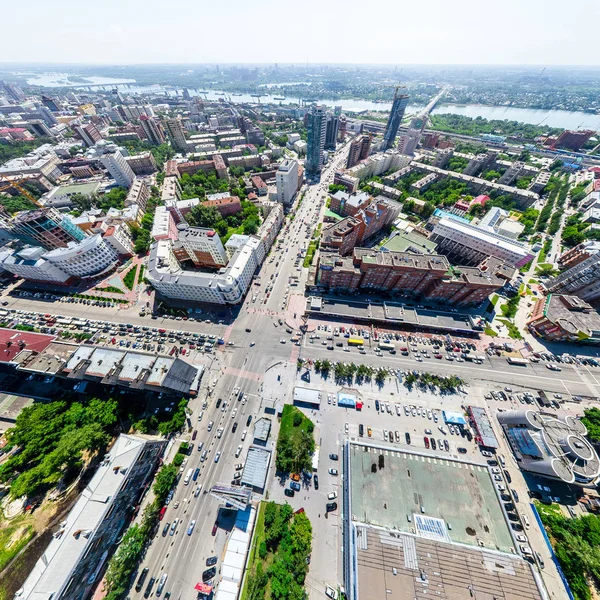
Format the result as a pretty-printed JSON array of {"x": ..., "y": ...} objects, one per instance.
[{"x": 460, "y": 493}]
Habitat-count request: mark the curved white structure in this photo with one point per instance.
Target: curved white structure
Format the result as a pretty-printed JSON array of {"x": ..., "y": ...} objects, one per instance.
[
  {"x": 554, "y": 447},
  {"x": 88, "y": 258}
]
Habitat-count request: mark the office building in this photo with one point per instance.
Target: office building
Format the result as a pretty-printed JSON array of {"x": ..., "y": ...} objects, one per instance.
[
  {"x": 463, "y": 243},
  {"x": 153, "y": 129},
  {"x": 50, "y": 103},
  {"x": 331, "y": 132},
  {"x": 176, "y": 133},
  {"x": 12, "y": 91},
  {"x": 348, "y": 181},
  {"x": 142, "y": 164},
  {"x": 114, "y": 162},
  {"x": 551, "y": 447},
  {"x": 348, "y": 205},
  {"x": 30, "y": 264},
  {"x": 45, "y": 227},
  {"x": 287, "y": 181},
  {"x": 498, "y": 220},
  {"x": 75, "y": 559},
  {"x": 360, "y": 147},
  {"x": 88, "y": 133},
  {"x": 420, "y": 275},
  {"x": 317, "y": 129},
  {"x": 399, "y": 105},
  {"x": 573, "y": 140},
  {"x": 203, "y": 246},
  {"x": 582, "y": 280},
  {"x": 89, "y": 258},
  {"x": 559, "y": 318}
]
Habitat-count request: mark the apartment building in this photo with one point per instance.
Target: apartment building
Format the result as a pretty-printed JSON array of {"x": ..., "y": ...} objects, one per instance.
[
  {"x": 139, "y": 194},
  {"x": 466, "y": 244},
  {"x": 224, "y": 203},
  {"x": 360, "y": 148},
  {"x": 579, "y": 253},
  {"x": 203, "y": 246},
  {"x": 114, "y": 162},
  {"x": 78, "y": 552},
  {"x": 348, "y": 181},
  {"x": 582, "y": 280},
  {"x": 142, "y": 164},
  {"x": 176, "y": 133},
  {"x": 348, "y": 205},
  {"x": 287, "y": 181},
  {"x": 428, "y": 276}
]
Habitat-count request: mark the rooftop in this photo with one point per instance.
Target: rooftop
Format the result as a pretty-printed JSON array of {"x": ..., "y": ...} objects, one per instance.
[
  {"x": 256, "y": 468},
  {"x": 13, "y": 342},
  {"x": 405, "y": 241}
]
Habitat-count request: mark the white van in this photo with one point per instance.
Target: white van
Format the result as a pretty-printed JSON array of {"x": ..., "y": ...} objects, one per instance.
[
  {"x": 525, "y": 521},
  {"x": 188, "y": 476}
]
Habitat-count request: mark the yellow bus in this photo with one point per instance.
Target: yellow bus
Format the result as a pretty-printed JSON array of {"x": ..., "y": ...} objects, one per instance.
[{"x": 355, "y": 342}]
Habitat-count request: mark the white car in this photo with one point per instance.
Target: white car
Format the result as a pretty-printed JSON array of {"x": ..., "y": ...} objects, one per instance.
[
  {"x": 244, "y": 434},
  {"x": 521, "y": 538},
  {"x": 217, "y": 456},
  {"x": 219, "y": 432},
  {"x": 197, "y": 491},
  {"x": 332, "y": 495},
  {"x": 238, "y": 451},
  {"x": 332, "y": 471}
]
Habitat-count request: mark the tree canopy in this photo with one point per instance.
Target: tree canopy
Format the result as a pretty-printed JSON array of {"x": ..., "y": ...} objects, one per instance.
[{"x": 49, "y": 440}]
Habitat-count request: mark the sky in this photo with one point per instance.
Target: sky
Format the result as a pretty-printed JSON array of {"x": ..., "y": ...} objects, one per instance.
[{"x": 538, "y": 32}]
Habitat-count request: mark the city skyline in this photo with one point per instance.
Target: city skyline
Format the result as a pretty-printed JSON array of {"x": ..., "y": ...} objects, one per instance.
[{"x": 458, "y": 34}]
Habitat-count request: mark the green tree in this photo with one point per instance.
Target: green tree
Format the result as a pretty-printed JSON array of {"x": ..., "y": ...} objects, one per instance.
[
  {"x": 164, "y": 482},
  {"x": 204, "y": 216}
]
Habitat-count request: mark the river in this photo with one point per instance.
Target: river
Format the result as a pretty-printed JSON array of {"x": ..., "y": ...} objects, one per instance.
[{"x": 552, "y": 118}]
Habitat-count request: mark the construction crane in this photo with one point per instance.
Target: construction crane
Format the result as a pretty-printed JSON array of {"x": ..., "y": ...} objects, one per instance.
[{"x": 6, "y": 184}]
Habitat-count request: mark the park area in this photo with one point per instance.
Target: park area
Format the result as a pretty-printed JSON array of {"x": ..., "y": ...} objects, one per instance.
[
  {"x": 280, "y": 554},
  {"x": 296, "y": 443}
]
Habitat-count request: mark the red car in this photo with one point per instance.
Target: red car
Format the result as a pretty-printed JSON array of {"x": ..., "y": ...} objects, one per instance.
[
  {"x": 214, "y": 529},
  {"x": 426, "y": 440},
  {"x": 194, "y": 434}
]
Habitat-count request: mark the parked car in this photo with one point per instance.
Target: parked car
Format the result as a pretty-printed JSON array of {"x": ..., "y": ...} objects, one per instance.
[{"x": 331, "y": 506}]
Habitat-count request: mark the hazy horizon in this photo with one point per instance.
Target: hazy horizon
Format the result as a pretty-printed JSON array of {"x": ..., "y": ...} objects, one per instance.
[{"x": 536, "y": 32}]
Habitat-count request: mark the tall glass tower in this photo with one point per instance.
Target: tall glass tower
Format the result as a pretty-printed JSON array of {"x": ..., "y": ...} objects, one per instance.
[
  {"x": 396, "y": 114},
  {"x": 315, "y": 143}
]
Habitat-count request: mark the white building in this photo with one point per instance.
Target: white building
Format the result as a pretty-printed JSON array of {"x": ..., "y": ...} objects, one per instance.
[
  {"x": 469, "y": 245},
  {"x": 73, "y": 561},
  {"x": 60, "y": 196},
  {"x": 163, "y": 226},
  {"x": 287, "y": 181},
  {"x": 87, "y": 258},
  {"x": 203, "y": 245},
  {"x": 114, "y": 162},
  {"x": 139, "y": 194},
  {"x": 378, "y": 164},
  {"x": 30, "y": 264},
  {"x": 117, "y": 235}
]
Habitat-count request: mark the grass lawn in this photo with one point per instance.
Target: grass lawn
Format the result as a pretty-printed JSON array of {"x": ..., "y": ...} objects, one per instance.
[
  {"x": 295, "y": 443},
  {"x": 257, "y": 538},
  {"x": 494, "y": 299},
  {"x": 287, "y": 428},
  {"x": 489, "y": 331},
  {"x": 14, "y": 536},
  {"x": 110, "y": 288},
  {"x": 513, "y": 330},
  {"x": 129, "y": 278}
]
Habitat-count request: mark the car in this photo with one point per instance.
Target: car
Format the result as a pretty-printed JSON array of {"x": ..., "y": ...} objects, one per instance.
[
  {"x": 426, "y": 442},
  {"x": 174, "y": 527},
  {"x": 211, "y": 561},
  {"x": 235, "y": 425},
  {"x": 289, "y": 493},
  {"x": 203, "y": 456},
  {"x": 331, "y": 506},
  {"x": 217, "y": 457},
  {"x": 209, "y": 574},
  {"x": 238, "y": 451},
  {"x": 294, "y": 485},
  {"x": 553, "y": 367},
  {"x": 361, "y": 430},
  {"x": 369, "y": 431},
  {"x": 149, "y": 587},
  {"x": 248, "y": 420},
  {"x": 407, "y": 437},
  {"x": 197, "y": 491},
  {"x": 433, "y": 444},
  {"x": 215, "y": 528},
  {"x": 191, "y": 527},
  {"x": 239, "y": 466},
  {"x": 316, "y": 481},
  {"x": 334, "y": 457},
  {"x": 446, "y": 446},
  {"x": 141, "y": 579},
  {"x": 332, "y": 496},
  {"x": 166, "y": 529},
  {"x": 210, "y": 426},
  {"x": 333, "y": 471},
  {"x": 377, "y": 405}
]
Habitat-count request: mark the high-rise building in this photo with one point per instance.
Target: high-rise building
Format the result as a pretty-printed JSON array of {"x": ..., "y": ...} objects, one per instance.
[
  {"x": 89, "y": 134},
  {"x": 45, "y": 227},
  {"x": 176, "y": 133},
  {"x": 360, "y": 147},
  {"x": 396, "y": 113},
  {"x": 114, "y": 162},
  {"x": 14, "y": 92},
  {"x": 152, "y": 129},
  {"x": 317, "y": 129},
  {"x": 410, "y": 140},
  {"x": 50, "y": 103},
  {"x": 331, "y": 133},
  {"x": 287, "y": 181},
  {"x": 87, "y": 258}
]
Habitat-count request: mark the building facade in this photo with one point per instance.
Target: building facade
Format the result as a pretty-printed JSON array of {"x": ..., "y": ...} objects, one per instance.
[
  {"x": 153, "y": 129},
  {"x": 176, "y": 133},
  {"x": 287, "y": 181},
  {"x": 399, "y": 105},
  {"x": 317, "y": 129},
  {"x": 360, "y": 147},
  {"x": 582, "y": 280},
  {"x": 88, "y": 258}
]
